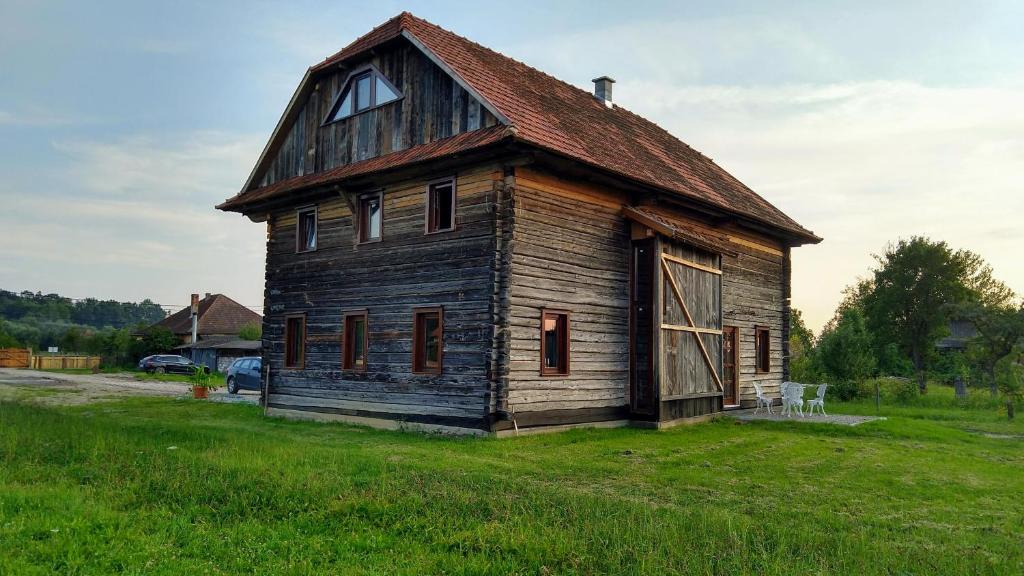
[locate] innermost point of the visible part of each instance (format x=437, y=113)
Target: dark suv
x=167, y=363
x=244, y=373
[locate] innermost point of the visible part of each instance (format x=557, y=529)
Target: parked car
x=168, y=363
x=244, y=373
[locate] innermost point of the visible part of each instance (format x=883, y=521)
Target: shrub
x=847, y=390
x=251, y=331
x=893, y=390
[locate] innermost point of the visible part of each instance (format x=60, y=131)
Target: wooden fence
x=23, y=358
x=63, y=362
x=15, y=357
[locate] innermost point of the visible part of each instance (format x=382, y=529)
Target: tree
x=1000, y=330
x=1009, y=376
x=7, y=340
x=155, y=340
x=914, y=286
x=801, y=349
x=845, y=351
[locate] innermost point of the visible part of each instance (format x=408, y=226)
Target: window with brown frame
x=356, y=339
x=762, y=349
x=371, y=216
x=294, y=341
x=441, y=206
x=427, y=340
x=554, y=343
x=305, y=230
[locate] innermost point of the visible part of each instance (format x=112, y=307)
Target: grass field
x=157, y=486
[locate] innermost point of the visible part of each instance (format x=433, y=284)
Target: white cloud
x=862, y=164
x=135, y=218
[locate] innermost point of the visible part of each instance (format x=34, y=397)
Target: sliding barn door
x=691, y=327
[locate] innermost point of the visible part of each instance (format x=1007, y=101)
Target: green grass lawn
x=158, y=486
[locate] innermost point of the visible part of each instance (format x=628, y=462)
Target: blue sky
x=123, y=123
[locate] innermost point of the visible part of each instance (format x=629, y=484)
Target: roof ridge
x=401, y=18
x=550, y=113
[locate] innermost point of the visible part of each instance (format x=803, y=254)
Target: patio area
x=840, y=419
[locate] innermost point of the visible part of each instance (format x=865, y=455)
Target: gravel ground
x=56, y=388
x=842, y=419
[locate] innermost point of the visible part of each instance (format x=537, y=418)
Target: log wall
x=406, y=269
x=753, y=295
x=755, y=292
x=433, y=106
x=569, y=250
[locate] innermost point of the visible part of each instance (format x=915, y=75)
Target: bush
x=893, y=390
x=846, y=390
x=251, y=331
x=845, y=349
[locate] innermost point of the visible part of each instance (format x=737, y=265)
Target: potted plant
x=201, y=384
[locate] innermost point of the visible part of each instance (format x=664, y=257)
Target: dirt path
x=66, y=389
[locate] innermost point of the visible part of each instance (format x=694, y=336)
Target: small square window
x=294, y=341
x=305, y=236
x=355, y=341
x=554, y=343
x=370, y=217
x=762, y=349
x=427, y=340
x=441, y=206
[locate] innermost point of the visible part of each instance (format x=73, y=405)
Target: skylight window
x=363, y=91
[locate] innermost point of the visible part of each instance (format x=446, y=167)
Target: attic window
x=363, y=90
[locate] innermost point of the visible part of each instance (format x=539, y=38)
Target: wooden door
x=730, y=375
x=691, y=323
x=641, y=292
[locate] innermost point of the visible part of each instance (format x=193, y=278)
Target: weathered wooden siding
x=406, y=269
x=433, y=106
x=570, y=250
x=752, y=295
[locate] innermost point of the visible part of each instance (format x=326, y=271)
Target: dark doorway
x=641, y=292
x=730, y=376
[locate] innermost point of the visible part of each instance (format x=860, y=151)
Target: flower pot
x=200, y=392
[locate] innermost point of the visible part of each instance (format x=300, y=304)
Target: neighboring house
x=456, y=239
x=218, y=316
x=960, y=334
x=218, y=352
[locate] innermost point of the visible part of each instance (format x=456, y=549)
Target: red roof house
x=458, y=240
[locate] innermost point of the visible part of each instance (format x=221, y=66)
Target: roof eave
x=793, y=236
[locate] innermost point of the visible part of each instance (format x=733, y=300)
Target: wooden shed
x=456, y=240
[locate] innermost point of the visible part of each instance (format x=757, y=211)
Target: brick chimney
x=603, y=90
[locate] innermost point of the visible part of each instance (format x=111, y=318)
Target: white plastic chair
x=818, y=400
x=762, y=399
x=792, y=398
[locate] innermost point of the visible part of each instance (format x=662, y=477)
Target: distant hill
x=39, y=308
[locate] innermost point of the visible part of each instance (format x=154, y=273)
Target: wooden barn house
x=457, y=240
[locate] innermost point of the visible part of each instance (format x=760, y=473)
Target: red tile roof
x=429, y=151
x=218, y=314
x=561, y=118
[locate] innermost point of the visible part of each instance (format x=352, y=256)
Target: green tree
x=155, y=340
x=914, y=286
x=1009, y=375
x=801, y=349
x=7, y=340
x=1000, y=332
x=845, y=352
